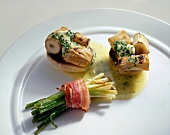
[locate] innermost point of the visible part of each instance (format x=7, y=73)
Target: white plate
x=25, y=75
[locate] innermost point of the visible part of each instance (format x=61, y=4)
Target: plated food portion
x=129, y=57
x=123, y=64
x=72, y=52
x=75, y=94
x=69, y=51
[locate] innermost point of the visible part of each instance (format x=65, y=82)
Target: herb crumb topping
x=66, y=39
x=133, y=60
x=123, y=49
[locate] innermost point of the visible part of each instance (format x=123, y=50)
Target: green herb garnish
x=133, y=60
x=56, y=36
x=71, y=34
x=123, y=49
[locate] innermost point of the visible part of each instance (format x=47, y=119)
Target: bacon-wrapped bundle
x=75, y=94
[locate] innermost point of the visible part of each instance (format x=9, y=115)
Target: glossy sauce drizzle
x=127, y=86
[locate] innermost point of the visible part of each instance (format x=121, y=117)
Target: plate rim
x=129, y=11
x=74, y=11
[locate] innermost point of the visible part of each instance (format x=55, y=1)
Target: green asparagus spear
x=46, y=109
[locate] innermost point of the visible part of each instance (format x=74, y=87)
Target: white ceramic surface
x=18, y=16
x=26, y=75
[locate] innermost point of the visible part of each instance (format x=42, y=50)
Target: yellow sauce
x=127, y=86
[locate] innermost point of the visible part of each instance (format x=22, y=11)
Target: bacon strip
x=77, y=95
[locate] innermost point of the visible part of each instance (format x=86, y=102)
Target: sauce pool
x=127, y=86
